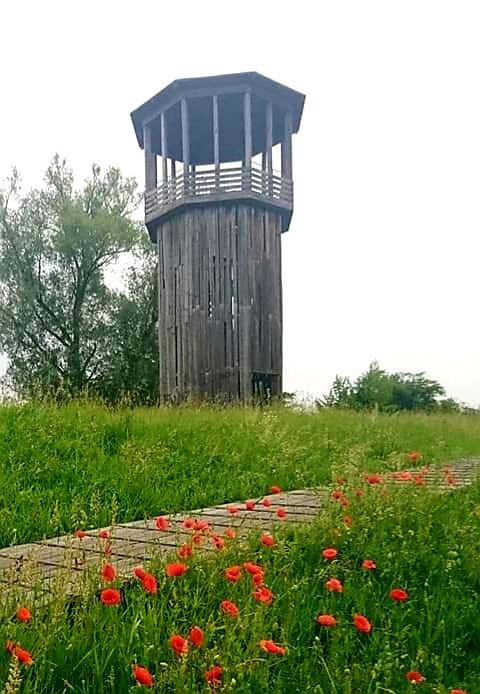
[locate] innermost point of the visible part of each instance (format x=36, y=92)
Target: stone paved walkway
x=68, y=558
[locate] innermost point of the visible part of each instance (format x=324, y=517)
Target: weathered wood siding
x=220, y=302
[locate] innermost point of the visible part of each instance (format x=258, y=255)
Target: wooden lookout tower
x=216, y=209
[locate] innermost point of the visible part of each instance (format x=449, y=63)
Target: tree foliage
x=387, y=392
x=61, y=326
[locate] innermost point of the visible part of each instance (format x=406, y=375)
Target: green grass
x=424, y=542
x=84, y=465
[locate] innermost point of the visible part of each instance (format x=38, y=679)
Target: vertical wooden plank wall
x=220, y=301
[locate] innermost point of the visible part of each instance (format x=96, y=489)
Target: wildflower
x=258, y=578
x=142, y=675
x=176, y=569
x=80, y=534
x=233, y=509
x=457, y=691
x=214, y=676
x=252, y=568
x=266, y=502
x=373, y=479
x=419, y=479
x=334, y=585
x=281, y=513
x=185, y=551
x=399, y=594
x=348, y=520
x=139, y=572
x=24, y=656
x=271, y=647
x=230, y=532
x=337, y=494
x=359, y=492
x=229, y=608
x=368, y=564
x=24, y=614
x=263, y=594
x=108, y=573
x=403, y=476
x=179, y=645
x=110, y=596
x=329, y=553
x=218, y=541
x=149, y=582
x=249, y=505
x=326, y=620
x=345, y=502
x=341, y=481
x=414, y=676
x=275, y=489
x=196, y=636
x=201, y=525
x=414, y=456
x=198, y=539
x=104, y=534
x=233, y=573
x=267, y=540
x=188, y=524
x=362, y=624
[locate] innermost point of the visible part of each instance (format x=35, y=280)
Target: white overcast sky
x=381, y=260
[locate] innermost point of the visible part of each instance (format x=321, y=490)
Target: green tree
x=57, y=314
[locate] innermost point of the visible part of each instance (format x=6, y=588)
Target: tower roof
x=229, y=88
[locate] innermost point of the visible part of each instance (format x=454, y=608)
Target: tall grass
x=81, y=465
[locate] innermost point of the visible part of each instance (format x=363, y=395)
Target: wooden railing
x=224, y=181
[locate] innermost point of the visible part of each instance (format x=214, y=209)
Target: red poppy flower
x=281, y=513
x=275, y=489
x=218, y=541
x=329, y=553
x=252, y=568
x=214, y=676
x=139, y=572
x=414, y=676
x=249, y=505
x=267, y=540
x=233, y=573
x=263, y=594
x=359, y=492
x=143, y=676
x=368, y=564
x=108, y=573
x=341, y=481
x=399, y=594
x=176, y=569
x=362, y=624
x=80, y=534
x=337, y=494
x=266, y=502
x=149, y=582
x=229, y=608
x=198, y=539
x=257, y=579
x=201, y=525
x=452, y=481
x=110, y=596
x=414, y=456
x=196, y=636
x=104, y=534
x=179, y=645
x=348, y=520
x=334, y=585
x=162, y=523
x=188, y=523
x=233, y=509
x=326, y=620
x=24, y=614
x=185, y=551
x=230, y=532
x=419, y=479
x=271, y=647
x=373, y=479
x=457, y=691
x=24, y=656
